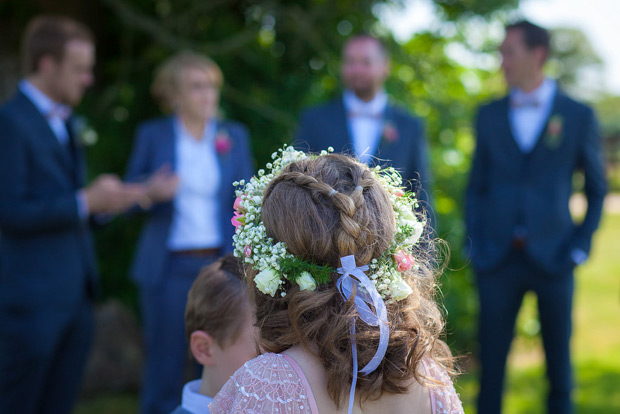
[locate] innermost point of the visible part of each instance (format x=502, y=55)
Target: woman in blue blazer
x=188, y=161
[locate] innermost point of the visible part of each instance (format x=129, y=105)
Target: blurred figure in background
x=529, y=144
x=363, y=122
x=47, y=262
x=188, y=162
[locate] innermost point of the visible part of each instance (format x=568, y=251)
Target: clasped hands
x=107, y=194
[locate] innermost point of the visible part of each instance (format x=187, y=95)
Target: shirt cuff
x=82, y=204
x=578, y=256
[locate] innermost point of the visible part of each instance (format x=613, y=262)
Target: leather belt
x=198, y=252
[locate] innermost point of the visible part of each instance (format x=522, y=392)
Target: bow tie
x=59, y=111
x=524, y=102
x=365, y=114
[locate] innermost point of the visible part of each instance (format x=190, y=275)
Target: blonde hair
x=168, y=75
x=320, y=225
x=218, y=301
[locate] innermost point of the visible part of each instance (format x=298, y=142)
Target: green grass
x=595, y=346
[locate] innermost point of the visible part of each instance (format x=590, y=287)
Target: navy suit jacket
x=46, y=250
x=510, y=189
x=154, y=147
x=327, y=125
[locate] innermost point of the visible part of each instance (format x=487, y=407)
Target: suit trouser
x=42, y=355
x=501, y=292
x=167, y=350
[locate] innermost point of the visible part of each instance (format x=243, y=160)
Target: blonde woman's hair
x=168, y=75
x=320, y=225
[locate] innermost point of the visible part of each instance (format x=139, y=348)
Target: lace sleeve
x=267, y=384
x=444, y=399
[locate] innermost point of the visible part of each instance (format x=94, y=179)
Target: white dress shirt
x=193, y=401
x=56, y=115
x=529, y=113
x=365, y=120
x=196, y=218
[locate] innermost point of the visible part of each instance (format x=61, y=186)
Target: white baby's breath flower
x=306, y=282
x=268, y=282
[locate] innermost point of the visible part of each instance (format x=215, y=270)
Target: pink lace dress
x=274, y=383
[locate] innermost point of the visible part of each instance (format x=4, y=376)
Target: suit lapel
x=77, y=154
x=168, y=145
x=540, y=144
x=44, y=134
x=341, y=136
x=505, y=129
x=386, y=149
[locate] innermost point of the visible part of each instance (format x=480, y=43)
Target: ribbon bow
x=352, y=279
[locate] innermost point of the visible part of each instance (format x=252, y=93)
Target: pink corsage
x=390, y=133
x=404, y=260
x=553, y=136
x=248, y=251
x=223, y=143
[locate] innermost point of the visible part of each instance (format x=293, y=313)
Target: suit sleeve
x=476, y=188
x=22, y=212
x=591, y=161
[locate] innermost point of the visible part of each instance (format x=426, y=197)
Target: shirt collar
x=46, y=105
x=193, y=401
x=375, y=107
x=543, y=94
x=208, y=134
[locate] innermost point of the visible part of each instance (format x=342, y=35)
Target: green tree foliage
x=277, y=57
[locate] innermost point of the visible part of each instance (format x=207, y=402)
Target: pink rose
x=248, y=251
x=398, y=193
x=237, y=205
x=238, y=220
x=223, y=143
x=404, y=260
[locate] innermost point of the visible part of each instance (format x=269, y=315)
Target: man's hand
x=162, y=185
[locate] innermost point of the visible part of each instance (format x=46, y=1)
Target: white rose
x=306, y=282
x=268, y=282
x=400, y=289
x=418, y=229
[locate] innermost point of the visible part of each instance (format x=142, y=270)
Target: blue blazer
x=154, y=147
x=46, y=250
x=510, y=189
x=327, y=125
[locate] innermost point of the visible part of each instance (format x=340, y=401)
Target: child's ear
x=201, y=344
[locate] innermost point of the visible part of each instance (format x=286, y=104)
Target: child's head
x=219, y=321
x=324, y=208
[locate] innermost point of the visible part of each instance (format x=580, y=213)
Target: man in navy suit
x=47, y=262
x=523, y=238
x=363, y=122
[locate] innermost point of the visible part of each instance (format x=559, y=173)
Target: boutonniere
x=85, y=135
x=223, y=142
x=389, y=133
x=553, y=135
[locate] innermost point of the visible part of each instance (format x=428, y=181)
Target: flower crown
x=275, y=264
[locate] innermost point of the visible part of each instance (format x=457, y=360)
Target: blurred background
x=281, y=56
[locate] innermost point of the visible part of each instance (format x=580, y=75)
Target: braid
x=353, y=235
